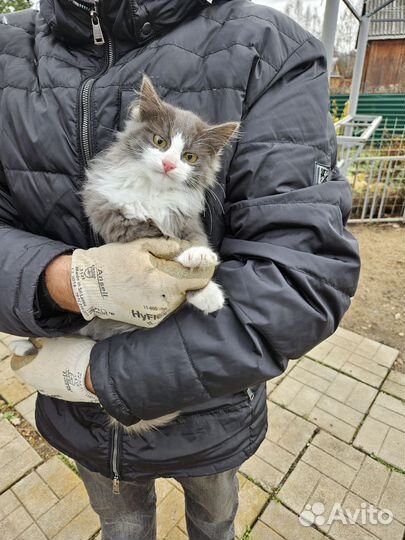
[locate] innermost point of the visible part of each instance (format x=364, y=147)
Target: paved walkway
x=331, y=467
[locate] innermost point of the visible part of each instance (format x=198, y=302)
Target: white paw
x=209, y=299
x=197, y=256
x=129, y=211
x=22, y=348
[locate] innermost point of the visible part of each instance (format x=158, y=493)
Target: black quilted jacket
x=289, y=265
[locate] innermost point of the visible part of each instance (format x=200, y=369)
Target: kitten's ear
x=150, y=103
x=218, y=136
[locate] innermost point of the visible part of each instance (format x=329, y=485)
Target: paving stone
x=32, y=533
x=58, y=476
x=329, y=399
x=62, y=513
x=338, y=450
x=8, y=503
x=395, y=384
x=299, y=486
x=382, y=432
x=176, y=534
x=16, y=456
x=331, y=472
x=286, y=437
x=272, y=383
x=82, y=527
x=262, y=532
x=7, y=433
x=4, y=351
x=27, y=408
x=393, y=496
x=11, y=388
x=252, y=500
x=163, y=487
x=270, y=386
x=286, y=525
x=35, y=495
x=320, y=351
x=392, y=450
x=15, y=523
x=262, y=472
x=386, y=356
x=340, y=531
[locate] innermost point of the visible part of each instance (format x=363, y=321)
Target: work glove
x=137, y=283
x=55, y=367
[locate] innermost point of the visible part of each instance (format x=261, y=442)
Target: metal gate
x=377, y=177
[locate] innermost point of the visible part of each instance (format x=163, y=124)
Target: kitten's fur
x=127, y=195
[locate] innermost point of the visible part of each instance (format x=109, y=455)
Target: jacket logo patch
x=321, y=173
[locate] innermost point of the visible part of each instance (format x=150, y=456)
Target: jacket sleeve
x=23, y=258
x=289, y=266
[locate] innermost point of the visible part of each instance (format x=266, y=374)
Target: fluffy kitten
x=152, y=181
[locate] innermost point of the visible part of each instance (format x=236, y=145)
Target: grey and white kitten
x=151, y=182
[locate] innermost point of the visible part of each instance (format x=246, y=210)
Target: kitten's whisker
x=221, y=186
x=210, y=213
x=209, y=190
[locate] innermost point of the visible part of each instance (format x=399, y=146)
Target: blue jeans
x=211, y=505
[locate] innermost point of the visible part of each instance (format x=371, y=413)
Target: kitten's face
x=173, y=147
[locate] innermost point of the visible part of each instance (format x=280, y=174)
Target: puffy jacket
x=289, y=266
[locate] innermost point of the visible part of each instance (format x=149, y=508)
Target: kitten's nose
x=168, y=165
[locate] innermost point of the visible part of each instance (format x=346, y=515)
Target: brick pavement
x=336, y=437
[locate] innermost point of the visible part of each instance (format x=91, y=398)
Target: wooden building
x=384, y=69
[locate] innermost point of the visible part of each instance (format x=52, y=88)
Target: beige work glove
x=137, y=283
x=55, y=367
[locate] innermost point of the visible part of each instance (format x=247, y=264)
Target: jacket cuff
x=33, y=308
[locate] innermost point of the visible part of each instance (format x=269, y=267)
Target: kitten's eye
x=190, y=157
x=160, y=142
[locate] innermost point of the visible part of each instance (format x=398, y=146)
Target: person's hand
x=56, y=367
x=137, y=283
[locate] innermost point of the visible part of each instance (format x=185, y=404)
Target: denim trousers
x=211, y=503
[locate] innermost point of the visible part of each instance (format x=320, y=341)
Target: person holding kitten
x=240, y=260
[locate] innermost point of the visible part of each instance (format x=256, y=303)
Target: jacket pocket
x=229, y=402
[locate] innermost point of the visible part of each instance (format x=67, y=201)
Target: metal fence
x=377, y=178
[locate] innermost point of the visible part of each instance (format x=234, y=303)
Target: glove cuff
x=86, y=284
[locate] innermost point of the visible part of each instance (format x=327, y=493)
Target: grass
x=247, y=535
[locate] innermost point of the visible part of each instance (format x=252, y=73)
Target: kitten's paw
x=22, y=347
x=129, y=211
x=197, y=256
x=209, y=299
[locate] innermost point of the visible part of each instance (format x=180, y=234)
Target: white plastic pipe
x=330, y=20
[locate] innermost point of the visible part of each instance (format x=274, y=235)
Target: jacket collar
x=137, y=21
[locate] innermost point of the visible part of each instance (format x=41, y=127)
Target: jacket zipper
x=87, y=85
x=115, y=459
x=85, y=91
x=85, y=142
